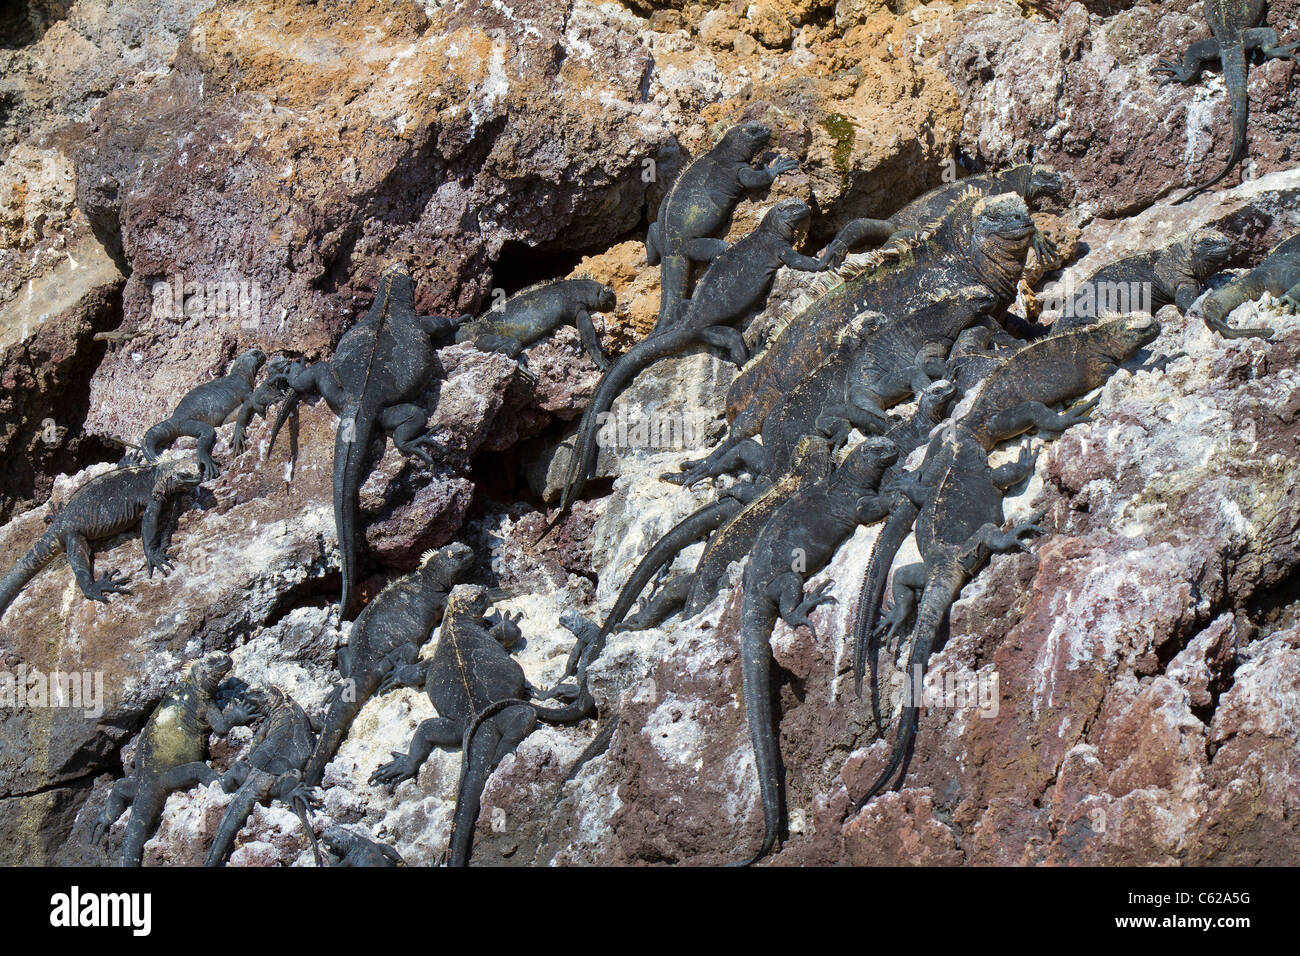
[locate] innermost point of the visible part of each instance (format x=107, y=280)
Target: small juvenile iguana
x=536, y=312
x=470, y=670
x=386, y=635
x=208, y=406
x=107, y=505
x=170, y=752
x=353, y=849
x=1235, y=25
x=798, y=541
x=280, y=748
x=696, y=211
x=378, y=370
x=1175, y=275
x=1278, y=275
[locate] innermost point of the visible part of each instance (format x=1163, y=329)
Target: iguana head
x=1122, y=336
x=937, y=399
x=470, y=599
x=265, y=699
x=396, y=292
x=210, y=670
x=246, y=365
x=1043, y=181
x=1208, y=250
x=452, y=560
x=811, y=455
x=868, y=460
x=1001, y=231
x=176, y=474
x=744, y=141
x=789, y=219
x=604, y=299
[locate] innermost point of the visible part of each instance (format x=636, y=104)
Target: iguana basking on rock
x=387, y=634
x=696, y=211
x=103, y=507
x=734, y=285
x=208, y=406
x=1278, y=275
x=470, y=669
x=536, y=312
x=170, y=752
x=1235, y=25
x=380, y=367
x=798, y=540
x=1012, y=399
x=280, y=749
x=353, y=849
x=1148, y=281
x=1031, y=181
x=981, y=243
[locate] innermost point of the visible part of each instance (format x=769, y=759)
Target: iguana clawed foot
x=1175, y=72
x=114, y=582
x=158, y=559
x=813, y=600
x=395, y=771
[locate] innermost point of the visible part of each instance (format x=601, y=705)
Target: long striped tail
x=1233, y=57
x=872, y=592
x=232, y=821
x=475, y=768
x=757, y=618
x=37, y=558
x=351, y=447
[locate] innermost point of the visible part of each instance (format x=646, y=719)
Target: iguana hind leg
x=434, y=732
x=496, y=737
x=119, y=797
x=81, y=562
x=407, y=423
x=1265, y=40
x=187, y=775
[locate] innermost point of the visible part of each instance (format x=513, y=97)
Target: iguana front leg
x=763, y=176
x=95, y=589
x=237, y=714
x=590, y=340
x=1014, y=472
x=1194, y=60
x=729, y=340
x=151, y=536
x=990, y=539
x=407, y=675
x=1028, y=415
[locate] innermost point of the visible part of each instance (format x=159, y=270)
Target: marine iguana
x=1175, y=275
x=470, y=669
x=1031, y=181
x=208, y=406
x=170, y=752
x=798, y=541
x=353, y=849
x=381, y=365
x=280, y=748
x=981, y=242
x=538, y=311
x=103, y=507
x=736, y=282
x=387, y=634
x=1011, y=400
x=1235, y=25
x=1278, y=275
x=697, y=209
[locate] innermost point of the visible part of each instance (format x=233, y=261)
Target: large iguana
x=379, y=369
x=795, y=543
x=170, y=752
x=280, y=749
x=1278, y=275
x=208, y=406
x=538, y=311
x=735, y=283
x=1149, y=281
x=108, y=505
x=1012, y=399
x=1031, y=181
x=1235, y=25
x=981, y=242
x=470, y=669
x=696, y=211
x=387, y=634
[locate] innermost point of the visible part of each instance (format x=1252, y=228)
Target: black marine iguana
x=387, y=634
x=353, y=849
x=735, y=283
x=170, y=752
x=1175, y=275
x=208, y=406
x=696, y=211
x=280, y=748
x=1278, y=275
x=1234, y=24
x=470, y=670
x=981, y=243
x=798, y=541
x=381, y=365
x=107, y=505
x=538, y=311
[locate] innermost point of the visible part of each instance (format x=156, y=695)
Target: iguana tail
x=872, y=593
x=232, y=821
x=351, y=447
x=287, y=408
x=582, y=460
x=299, y=804
x=146, y=808
x=338, y=721
x=674, y=273
x=32, y=563
x=1233, y=57
x=757, y=618
x=941, y=590
x=476, y=765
